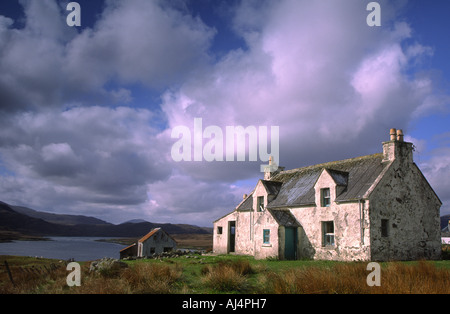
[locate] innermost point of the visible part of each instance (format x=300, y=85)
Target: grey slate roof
x=356, y=174
x=247, y=204
x=272, y=187
x=284, y=217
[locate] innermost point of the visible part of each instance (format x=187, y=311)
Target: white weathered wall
x=404, y=198
x=266, y=250
x=349, y=245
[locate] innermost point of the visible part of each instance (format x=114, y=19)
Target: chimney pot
x=400, y=135
x=393, y=134
x=245, y=196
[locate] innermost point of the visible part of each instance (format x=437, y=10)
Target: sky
x=87, y=112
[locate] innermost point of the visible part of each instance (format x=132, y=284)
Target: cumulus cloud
x=192, y=200
x=73, y=139
x=93, y=155
x=315, y=69
x=49, y=64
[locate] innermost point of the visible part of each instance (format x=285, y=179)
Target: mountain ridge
x=16, y=221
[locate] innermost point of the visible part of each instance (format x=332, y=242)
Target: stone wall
x=406, y=202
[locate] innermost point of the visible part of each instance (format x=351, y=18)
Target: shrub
x=152, y=278
x=227, y=276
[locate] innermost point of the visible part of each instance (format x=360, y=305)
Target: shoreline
x=11, y=236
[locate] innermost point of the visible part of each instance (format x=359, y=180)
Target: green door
x=290, y=243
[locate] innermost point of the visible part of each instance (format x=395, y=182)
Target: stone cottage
x=156, y=241
x=378, y=207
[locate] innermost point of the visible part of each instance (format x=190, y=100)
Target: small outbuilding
x=156, y=241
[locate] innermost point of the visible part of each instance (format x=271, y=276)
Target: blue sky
x=87, y=112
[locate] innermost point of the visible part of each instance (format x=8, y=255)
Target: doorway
x=231, y=236
x=290, y=243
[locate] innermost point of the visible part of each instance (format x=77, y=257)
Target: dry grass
x=141, y=278
x=350, y=278
x=228, y=275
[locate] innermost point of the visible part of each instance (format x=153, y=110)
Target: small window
x=152, y=250
x=325, y=197
x=266, y=236
x=328, y=233
x=219, y=230
x=260, y=204
x=384, y=228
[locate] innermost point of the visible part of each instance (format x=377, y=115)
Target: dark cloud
x=72, y=139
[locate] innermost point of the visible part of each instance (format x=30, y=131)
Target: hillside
x=59, y=218
x=14, y=222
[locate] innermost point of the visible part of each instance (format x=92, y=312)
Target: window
x=384, y=228
x=325, y=197
x=219, y=230
x=266, y=236
x=327, y=233
x=260, y=204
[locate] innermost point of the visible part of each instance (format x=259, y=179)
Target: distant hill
x=59, y=218
x=18, y=220
x=10, y=220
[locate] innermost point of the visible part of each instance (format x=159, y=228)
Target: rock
x=107, y=265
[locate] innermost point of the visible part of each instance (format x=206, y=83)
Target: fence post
x=9, y=273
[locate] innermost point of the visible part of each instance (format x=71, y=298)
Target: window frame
x=328, y=238
x=219, y=229
x=325, y=201
x=260, y=203
x=266, y=236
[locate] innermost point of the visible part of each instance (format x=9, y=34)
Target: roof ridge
x=329, y=163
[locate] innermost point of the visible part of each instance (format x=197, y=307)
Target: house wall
x=404, y=198
x=246, y=236
x=220, y=240
x=347, y=232
x=349, y=242
x=158, y=241
x=243, y=233
x=272, y=249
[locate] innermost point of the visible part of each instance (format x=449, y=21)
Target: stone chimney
x=397, y=148
x=271, y=169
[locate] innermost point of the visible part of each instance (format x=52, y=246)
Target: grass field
x=199, y=274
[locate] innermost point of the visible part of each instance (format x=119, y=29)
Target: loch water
x=64, y=248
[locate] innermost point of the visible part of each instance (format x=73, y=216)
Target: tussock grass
x=227, y=275
x=350, y=278
x=153, y=278
x=224, y=274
